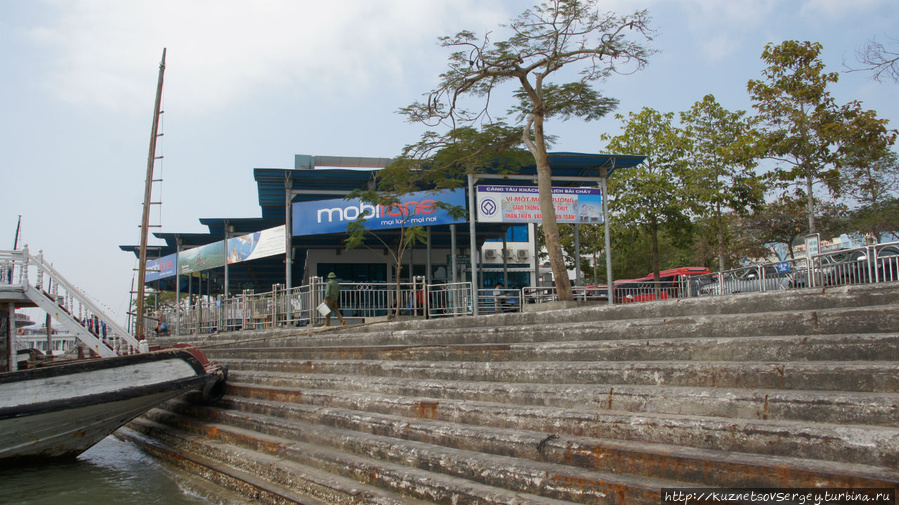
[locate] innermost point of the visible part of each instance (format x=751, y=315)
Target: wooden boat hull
x=62, y=410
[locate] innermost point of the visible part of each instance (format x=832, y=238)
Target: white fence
x=362, y=301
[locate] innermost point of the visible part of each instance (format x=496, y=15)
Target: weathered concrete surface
x=605, y=404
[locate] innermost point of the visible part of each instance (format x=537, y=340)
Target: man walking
x=332, y=299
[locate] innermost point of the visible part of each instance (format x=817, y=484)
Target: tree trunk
x=548, y=209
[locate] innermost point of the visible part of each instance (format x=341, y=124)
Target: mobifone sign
x=415, y=209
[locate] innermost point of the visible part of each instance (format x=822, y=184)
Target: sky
x=250, y=84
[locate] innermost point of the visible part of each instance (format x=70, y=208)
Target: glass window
x=515, y=233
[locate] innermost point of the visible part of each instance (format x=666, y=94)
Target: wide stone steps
x=589, y=405
x=874, y=377
x=868, y=445
x=872, y=347
x=454, y=400
x=422, y=471
x=262, y=474
x=878, y=319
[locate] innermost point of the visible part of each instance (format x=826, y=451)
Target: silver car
x=749, y=280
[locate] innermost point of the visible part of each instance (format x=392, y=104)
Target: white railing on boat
x=40, y=283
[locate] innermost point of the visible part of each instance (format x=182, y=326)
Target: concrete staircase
x=589, y=405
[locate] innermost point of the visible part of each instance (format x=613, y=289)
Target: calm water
x=112, y=472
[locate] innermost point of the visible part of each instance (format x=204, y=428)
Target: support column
x=536, y=255
x=453, y=251
x=178, y=286
x=605, y=219
x=288, y=230
x=428, y=262
x=225, y=247
x=577, y=255
x=472, y=212
x=12, y=365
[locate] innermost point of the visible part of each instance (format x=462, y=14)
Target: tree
x=803, y=128
x=783, y=221
x=555, y=35
x=720, y=179
x=435, y=163
x=874, y=188
x=879, y=60
x=653, y=194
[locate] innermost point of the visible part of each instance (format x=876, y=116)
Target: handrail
x=90, y=324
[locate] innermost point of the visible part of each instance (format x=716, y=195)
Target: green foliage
x=719, y=178
x=652, y=195
x=803, y=129
x=554, y=35
x=783, y=221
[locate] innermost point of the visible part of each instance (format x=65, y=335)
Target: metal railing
x=40, y=283
x=296, y=307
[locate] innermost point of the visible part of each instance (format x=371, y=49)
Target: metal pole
x=177, y=286
x=536, y=282
x=145, y=220
x=11, y=363
x=453, y=251
x=428, y=262
x=473, y=252
x=288, y=230
x=225, y=258
x=605, y=220
x=505, y=258
x=577, y=255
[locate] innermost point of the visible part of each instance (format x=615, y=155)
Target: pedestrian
x=332, y=299
x=499, y=297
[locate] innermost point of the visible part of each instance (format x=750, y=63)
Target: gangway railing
x=43, y=285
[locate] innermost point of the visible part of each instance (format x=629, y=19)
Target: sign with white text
x=415, y=209
x=521, y=204
x=260, y=244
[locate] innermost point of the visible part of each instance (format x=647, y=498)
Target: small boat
x=61, y=410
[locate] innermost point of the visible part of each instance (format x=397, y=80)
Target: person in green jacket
x=332, y=299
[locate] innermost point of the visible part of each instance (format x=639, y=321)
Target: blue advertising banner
x=415, y=209
x=160, y=268
x=260, y=244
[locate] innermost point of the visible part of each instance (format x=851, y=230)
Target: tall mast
x=139, y=331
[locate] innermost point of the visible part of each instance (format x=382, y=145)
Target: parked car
x=858, y=267
x=750, y=280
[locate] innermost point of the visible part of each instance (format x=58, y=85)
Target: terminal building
x=301, y=233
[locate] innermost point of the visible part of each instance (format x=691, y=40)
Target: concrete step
x=610, y=404
x=261, y=472
x=414, y=398
x=873, y=377
x=249, y=487
x=866, y=320
x=848, y=444
x=841, y=347
x=433, y=473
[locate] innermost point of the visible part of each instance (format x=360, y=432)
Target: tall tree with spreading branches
x=882, y=61
x=654, y=194
x=550, y=37
x=719, y=179
x=802, y=127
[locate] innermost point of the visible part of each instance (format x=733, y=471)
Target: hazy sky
x=250, y=84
